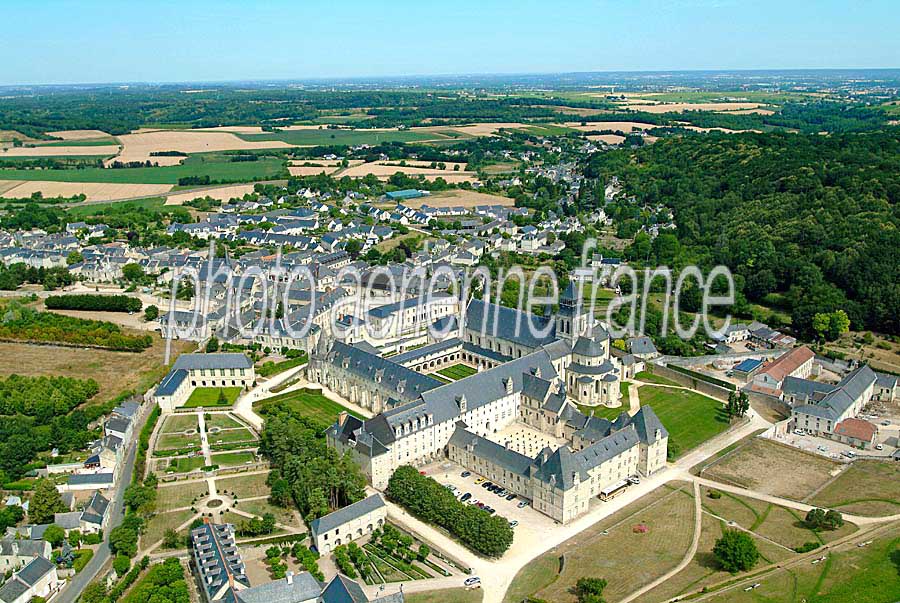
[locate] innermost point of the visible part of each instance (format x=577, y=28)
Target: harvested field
x=222, y=193
x=486, y=129
x=62, y=151
x=114, y=372
x=607, y=138
x=450, y=165
x=772, y=468
x=462, y=198
x=6, y=185
x=10, y=135
x=307, y=170
x=616, y=126
x=383, y=172
x=658, y=107
x=138, y=146
x=79, y=134
x=324, y=162
x=95, y=191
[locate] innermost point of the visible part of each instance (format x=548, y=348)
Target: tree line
x=97, y=303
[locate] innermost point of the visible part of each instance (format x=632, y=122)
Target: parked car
x=487, y=485
x=522, y=504
x=799, y=432
x=513, y=523
x=479, y=480
x=510, y=496
x=465, y=474
x=886, y=422
x=490, y=510
x=879, y=447
x=472, y=581
x=466, y=497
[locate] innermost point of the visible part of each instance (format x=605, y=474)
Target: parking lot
x=886, y=437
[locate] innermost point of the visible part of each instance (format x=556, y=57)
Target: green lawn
x=92, y=209
x=91, y=142
x=603, y=411
x=307, y=403
x=231, y=459
x=230, y=436
x=222, y=421
x=209, y=396
x=175, y=441
x=216, y=166
x=185, y=464
x=649, y=377
x=457, y=371
x=179, y=423
x=689, y=417
x=269, y=368
x=341, y=137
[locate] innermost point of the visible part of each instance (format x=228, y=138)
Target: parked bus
x=610, y=492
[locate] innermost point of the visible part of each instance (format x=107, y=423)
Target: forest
x=804, y=221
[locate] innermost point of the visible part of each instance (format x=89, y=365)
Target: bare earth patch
x=78, y=134
x=383, y=172
x=626, y=127
x=138, y=145
x=308, y=170
x=454, y=198
x=94, y=191
x=607, y=138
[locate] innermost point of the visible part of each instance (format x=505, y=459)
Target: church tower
x=572, y=319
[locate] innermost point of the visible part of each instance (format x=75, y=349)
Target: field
x=158, y=524
x=626, y=127
x=244, y=486
x=326, y=137
x=83, y=210
x=178, y=441
x=308, y=170
x=307, y=403
x=607, y=138
x=209, y=396
x=184, y=464
x=78, y=150
x=180, y=494
x=865, y=488
x=627, y=560
x=232, y=459
x=115, y=372
x=179, y=423
x=384, y=170
x=137, y=146
x=222, y=421
x=261, y=507
x=449, y=595
x=94, y=191
x=772, y=468
x=70, y=135
x=457, y=371
x=858, y=574
x=689, y=417
x=217, y=167
x=222, y=193
x=657, y=379
x=459, y=198
x=659, y=107
x=231, y=436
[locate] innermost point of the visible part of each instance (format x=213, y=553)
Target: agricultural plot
x=137, y=146
x=326, y=137
x=615, y=549
x=865, y=488
x=210, y=396
x=105, y=148
x=93, y=191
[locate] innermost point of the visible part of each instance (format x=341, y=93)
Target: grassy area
x=180, y=494
x=245, y=486
x=87, y=142
x=230, y=436
x=651, y=378
x=209, y=396
x=185, y=464
x=261, y=507
x=327, y=137
x=222, y=421
x=627, y=560
x=866, y=488
x=267, y=369
x=217, y=166
x=858, y=574
x=457, y=371
x=605, y=412
x=305, y=402
x=85, y=210
x=156, y=527
x=689, y=417
x=447, y=595
x=176, y=441
x=231, y=459
x=179, y=423
x=772, y=468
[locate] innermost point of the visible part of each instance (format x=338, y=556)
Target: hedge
x=98, y=303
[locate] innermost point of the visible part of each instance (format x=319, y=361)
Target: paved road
x=73, y=590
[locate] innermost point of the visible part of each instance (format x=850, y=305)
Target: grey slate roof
x=99, y=479
x=348, y=513
x=510, y=460
x=804, y=387
x=431, y=348
x=24, y=548
x=836, y=402
x=344, y=590
x=36, y=569
x=411, y=302
x=508, y=324
x=171, y=382
x=224, y=360
x=641, y=345
x=392, y=376
x=303, y=587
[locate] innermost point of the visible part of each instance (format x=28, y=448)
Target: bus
x=610, y=492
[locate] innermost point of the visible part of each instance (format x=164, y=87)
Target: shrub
x=735, y=551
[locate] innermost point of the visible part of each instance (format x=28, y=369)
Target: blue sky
x=79, y=41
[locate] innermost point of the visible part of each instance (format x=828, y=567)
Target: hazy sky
x=79, y=41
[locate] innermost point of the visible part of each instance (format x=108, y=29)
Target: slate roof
x=431, y=348
x=836, y=402
x=100, y=479
x=36, y=569
x=392, y=376
x=24, y=548
x=411, y=302
x=343, y=590
x=510, y=460
x=641, y=345
x=224, y=360
x=348, y=513
x=501, y=322
x=303, y=587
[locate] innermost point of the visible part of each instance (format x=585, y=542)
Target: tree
x=132, y=272
x=74, y=538
x=45, y=502
x=74, y=257
x=735, y=551
x=170, y=539
x=94, y=592
x=212, y=345
x=151, y=313
x=121, y=564
x=590, y=590
x=222, y=400
x=833, y=519
x=54, y=535
x=815, y=519
x=353, y=247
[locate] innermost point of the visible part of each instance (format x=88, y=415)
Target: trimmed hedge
x=98, y=303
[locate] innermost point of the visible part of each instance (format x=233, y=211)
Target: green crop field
x=689, y=417
x=326, y=137
x=89, y=142
x=209, y=396
x=214, y=165
x=307, y=403
x=91, y=209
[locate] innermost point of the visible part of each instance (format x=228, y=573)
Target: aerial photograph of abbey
x=414, y=303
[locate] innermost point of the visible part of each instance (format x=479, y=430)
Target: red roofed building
x=795, y=363
x=855, y=432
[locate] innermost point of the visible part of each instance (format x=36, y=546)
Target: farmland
x=323, y=137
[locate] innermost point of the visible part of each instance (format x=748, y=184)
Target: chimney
x=461, y=401
x=342, y=418
x=289, y=577
x=508, y=384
